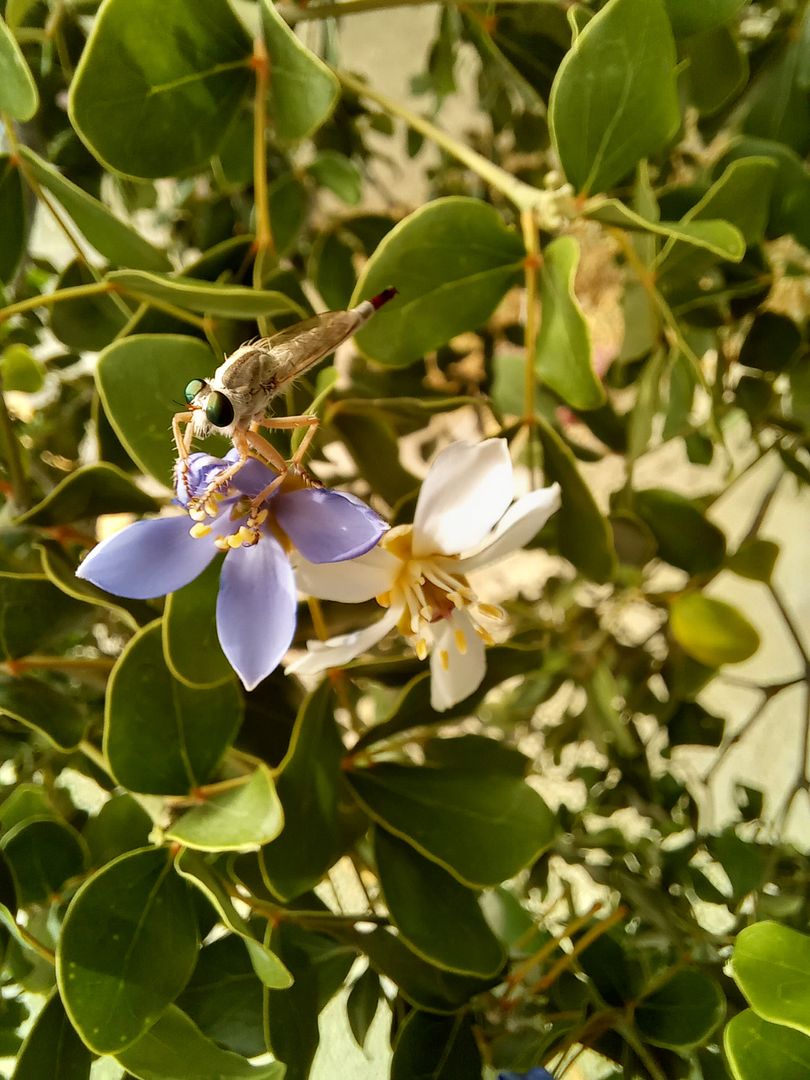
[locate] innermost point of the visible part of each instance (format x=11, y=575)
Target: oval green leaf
x=756, y=1049
x=111, y=237
x=563, y=356
x=436, y=916
x=89, y=491
x=237, y=819
x=439, y=1047
x=719, y=237
x=309, y=782
x=712, y=631
x=18, y=91
x=452, y=261
x=482, y=833
x=86, y=323
x=614, y=100
x=12, y=217
x=52, y=711
x=127, y=949
x=772, y=966
x=42, y=855
x=190, y=643
x=694, y=16
x=32, y=611
x=684, y=536
x=140, y=380
x=154, y=104
x=303, y=91
x=207, y=297
x=162, y=737
x=52, y=1048
x=683, y=1012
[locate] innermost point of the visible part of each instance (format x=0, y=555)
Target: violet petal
x=328, y=526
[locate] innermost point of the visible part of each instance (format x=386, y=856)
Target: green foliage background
x=175, y=852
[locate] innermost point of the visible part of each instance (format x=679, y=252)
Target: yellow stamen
x=492, y=611
x=384, y=599
x=485, y=635
x=199, y=530
x=235, y=540
x=461, y=641
x=196, y=513
x=444, y=659
x=261, y=517
x=421, y=648
x=222, y=543
x=212, y=506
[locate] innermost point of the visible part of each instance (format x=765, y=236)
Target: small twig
x=13, y=456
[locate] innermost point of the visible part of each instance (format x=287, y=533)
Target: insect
x=234, y=401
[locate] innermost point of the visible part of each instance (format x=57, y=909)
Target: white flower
x=419, y=574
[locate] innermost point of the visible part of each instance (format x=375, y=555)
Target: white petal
x=338, y=651
x=464, y=671
x=350, y=582
x=520, y=524
x=467, y=489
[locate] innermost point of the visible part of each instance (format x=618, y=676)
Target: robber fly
x=235, y=400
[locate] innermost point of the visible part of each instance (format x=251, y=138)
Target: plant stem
x=13, y=456
x=73, y=292
x=524, y=196
x=263, y=242
x=357, y=7
x=530, y=266
x=58, y=663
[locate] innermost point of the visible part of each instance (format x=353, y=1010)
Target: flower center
x=248, y=525
x=429, y=589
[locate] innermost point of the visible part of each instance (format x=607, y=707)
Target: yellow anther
x=444, y=659
x=212, y=506
x=234, y=540
x=384, y=599
x=492, y=611
x=421, y=648
x=196, y=513
x=485, y=635
x=460, y=639
x=199, y=530
x=222, y=543
x=260, y=518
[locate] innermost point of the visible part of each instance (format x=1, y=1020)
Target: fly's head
x=212, y=409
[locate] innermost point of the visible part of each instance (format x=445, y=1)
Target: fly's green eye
x=193, y=388
x=219, y=410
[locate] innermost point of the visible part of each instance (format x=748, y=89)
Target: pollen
x=222, y=543
x=444, y=659
x=421, y=647
x=492, y=611
x=384, y=599
x=199, y=530
x=260, y=518
x=234, y=540
x=196, y=513
x=460, y=639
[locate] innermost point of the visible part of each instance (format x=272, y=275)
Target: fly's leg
x=199, y=507
x=293, y=423
x=262, y=448
x=182, y=442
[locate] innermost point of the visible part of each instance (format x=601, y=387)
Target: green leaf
x=121, y=825
x=224, y=998
x=741, y=197
x=584, y=536
x=482, y=833
x=789, y=210
x=288, y=201
x=331, y=268
x=88, y=492
x=190, y=644
x=137, y=379
x=563, y=357
x=208, y=297
x=160, y=736
x=777, y=102
x=18, y=91
x=685, y=537
x=154, y=104
x=694, y=16
x=25, y=801
x=127, y=949
x=772, y=343
x=614, y=100
x=683, y=1012
x=303, y=91
x=267, y=966
x=772, y=967
x=309, y=782
x=718, y=69
x=756, y=1049
x=175, y=1049
x=20, y=370
x=719, y=237
x=754, y=559
x=52, y=1048
x=49, y=709
x=42, y=855
x=13, y=217
x=62, y=573
x=338, y=173
x=237, y=819
x=87, y=323
x=32, y=611
x=111, y=237
x=436, y=1048
x=362, y=1004
x=712, y=631
x=436, y=916
x=452, y=261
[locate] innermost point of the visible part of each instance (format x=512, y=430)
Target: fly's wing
x=293, y=351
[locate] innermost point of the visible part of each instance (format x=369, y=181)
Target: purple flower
x=532, y=1074
x=256, y=604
